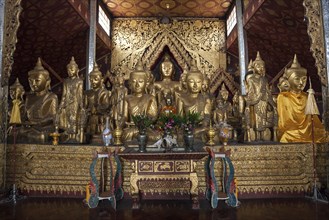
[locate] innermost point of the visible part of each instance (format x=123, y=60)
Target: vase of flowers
x=189, y=122
x=167, y=123
x=142, y=122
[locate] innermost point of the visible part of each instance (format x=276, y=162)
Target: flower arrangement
x=190, y=120
x=142, y=122
x=167, y=122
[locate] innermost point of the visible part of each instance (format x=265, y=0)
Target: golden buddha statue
x=166, y=85
x=194, y=101
x=96, y=102
x=41, y=106
x=17, y=107
x=259, y=102
x=220, y=112
x=119, y=92
x=138, y=102
x=71, y=105
x=294, y=125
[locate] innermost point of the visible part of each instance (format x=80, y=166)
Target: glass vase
x=107, y=134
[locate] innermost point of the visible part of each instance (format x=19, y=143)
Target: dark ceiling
x=55, y=30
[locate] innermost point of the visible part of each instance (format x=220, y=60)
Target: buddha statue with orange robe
x=294, y=125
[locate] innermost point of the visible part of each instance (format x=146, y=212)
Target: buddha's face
x=297, y=82
x=284, y=86
x=167, y=68
x=224, y=95
x=38, y=82
x=138, y=82
x=194, y=82
x=96, y=81
x=72, y=70
x=259, y=68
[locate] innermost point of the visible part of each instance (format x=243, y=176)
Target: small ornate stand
x=93, y=194
x=229, y=188
x=211, y=134
x=55, y=135
x=117, y=134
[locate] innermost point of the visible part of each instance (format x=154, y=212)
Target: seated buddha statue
x=194, y=101
x=96, y=102
x=71, y=108
x=166, y=85
x=294, y=125
x=138, y=103
x=40, y=108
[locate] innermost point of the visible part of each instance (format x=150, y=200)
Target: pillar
x=243, y=56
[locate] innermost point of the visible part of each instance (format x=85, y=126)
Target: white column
x=243, y=55
x=91, y=48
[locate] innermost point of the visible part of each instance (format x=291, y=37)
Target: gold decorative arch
x=200, y=41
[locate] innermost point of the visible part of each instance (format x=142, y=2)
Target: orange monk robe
x=294, y=125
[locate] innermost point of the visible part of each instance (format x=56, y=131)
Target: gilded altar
x=170, y=175
x=272, y=170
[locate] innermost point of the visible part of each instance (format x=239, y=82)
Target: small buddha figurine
x=119, y=92
x=16, y=108
x=138, y=102
x=71, y=105
x=220, y=113
x=294, y=125
x=224, y=94
x=169, y=107
x=40, y=108
x=96, y=102
x=166, y=85
x=194, y=101
x=259, y=100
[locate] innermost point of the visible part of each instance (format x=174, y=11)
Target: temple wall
x=202, y=41
x=277, y=170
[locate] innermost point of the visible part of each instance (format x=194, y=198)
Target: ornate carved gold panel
x=202, y=41
x=261, y=170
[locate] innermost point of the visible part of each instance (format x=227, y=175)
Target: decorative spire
x=17, y=84
x=194, y=67
x=72, y=63
x=39, y=69
x=96, y=70
x=166, y=58
x=295, y=67
x=223, y=88
x=258, y=59
x=139, y=66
